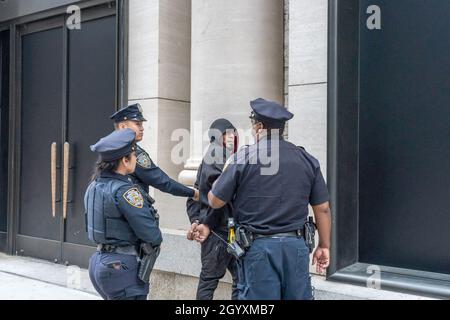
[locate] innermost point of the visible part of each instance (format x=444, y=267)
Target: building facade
x=370, y=100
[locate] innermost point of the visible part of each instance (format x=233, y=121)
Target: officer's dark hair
x=107, y=166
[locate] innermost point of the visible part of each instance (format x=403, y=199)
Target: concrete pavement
x=23, y=278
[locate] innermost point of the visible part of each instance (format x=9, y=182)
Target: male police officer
x=272, y=210
x=119, y=219
x=214, y=256
x=147, y=173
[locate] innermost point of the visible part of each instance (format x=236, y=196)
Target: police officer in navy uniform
x=119, y=218
x=270, y=185
x=147, y=173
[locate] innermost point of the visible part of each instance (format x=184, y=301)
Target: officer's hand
x=202, y=233
x=321, y=257
x=191, y=233
x=196, y=195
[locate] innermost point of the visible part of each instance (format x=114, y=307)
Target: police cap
x=115, y=146
x=132, y=112
x=269, y=112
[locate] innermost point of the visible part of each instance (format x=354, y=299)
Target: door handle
x=53, y=176
x=66, y=178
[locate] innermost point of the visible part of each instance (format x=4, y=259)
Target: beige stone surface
x=175, y=49
x=308, y=37
x=308, y=128
x=143, y=49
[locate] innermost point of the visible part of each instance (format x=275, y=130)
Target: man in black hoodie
x=215, y=258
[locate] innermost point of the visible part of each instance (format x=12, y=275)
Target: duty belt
x=129, y=250
x=296, y=234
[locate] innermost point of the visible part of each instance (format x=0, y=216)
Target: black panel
x=77, y=255
x=40, y=248
x=92, y=92
x=404, y=136
x=41, y=126
x=4, y=127
x=3, y=242
x=343, y=129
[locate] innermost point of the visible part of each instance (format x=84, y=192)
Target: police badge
x=134, y=198
x=144, y=161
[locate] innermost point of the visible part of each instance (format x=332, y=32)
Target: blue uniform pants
x=115, y=277
x=275, y=269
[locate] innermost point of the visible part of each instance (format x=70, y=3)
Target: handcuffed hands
x=202, y=233
x=191, y=232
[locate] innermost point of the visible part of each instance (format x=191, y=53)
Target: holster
x=148, y=258
x=244, y=238
x=309, y=232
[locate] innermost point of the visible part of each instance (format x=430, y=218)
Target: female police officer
x=119, y=218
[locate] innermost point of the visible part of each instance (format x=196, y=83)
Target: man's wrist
x=322, y=246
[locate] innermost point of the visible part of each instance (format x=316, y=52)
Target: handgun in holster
x=244, y=238
x=148, y=256
x=310, y=234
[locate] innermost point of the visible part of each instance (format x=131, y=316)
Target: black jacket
x=208, y=172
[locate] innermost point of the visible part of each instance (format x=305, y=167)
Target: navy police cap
x=269, y=112
x=132, y=112
x=115, y=146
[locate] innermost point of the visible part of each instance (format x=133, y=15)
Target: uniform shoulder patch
x=144, y=161
x=134, y=197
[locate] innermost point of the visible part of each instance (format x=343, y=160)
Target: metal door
x=404, y=164
x=68, y=90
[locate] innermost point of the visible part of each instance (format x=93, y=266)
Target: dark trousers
x=275, y=269
x=115, y=277
x=215, y=262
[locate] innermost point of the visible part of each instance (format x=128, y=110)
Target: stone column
x=237, y=56
x=308, y=22
x=159, y=79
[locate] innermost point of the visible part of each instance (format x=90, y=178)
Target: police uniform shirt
x=269, y=204
x=148, y=174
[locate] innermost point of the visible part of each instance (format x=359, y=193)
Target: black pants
x=215, y=262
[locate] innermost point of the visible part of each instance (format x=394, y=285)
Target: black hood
x=218, y=129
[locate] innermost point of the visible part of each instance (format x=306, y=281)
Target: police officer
x=214, y=256
x=147, y=173
x=119, y=219
x=271, y=207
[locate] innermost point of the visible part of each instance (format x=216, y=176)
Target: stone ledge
x=180, y=256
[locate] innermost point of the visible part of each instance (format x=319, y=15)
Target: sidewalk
x=24, y=278
x=31, y=279
x=14, y=287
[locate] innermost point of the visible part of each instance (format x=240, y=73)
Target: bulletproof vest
x=105, y=224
